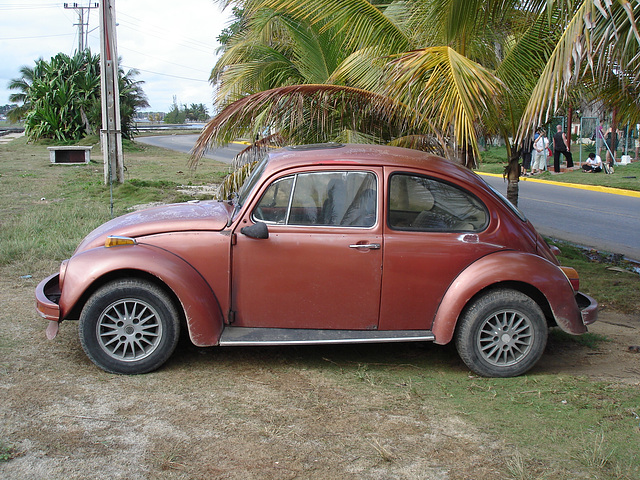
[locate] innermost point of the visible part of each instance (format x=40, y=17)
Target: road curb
x=593, y=188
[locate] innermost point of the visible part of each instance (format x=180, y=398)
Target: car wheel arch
x=114, y=275
x=480, y=277
x=444, y=329
x=196, y=301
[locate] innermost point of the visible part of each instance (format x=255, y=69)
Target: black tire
x=503, y=333
x=129, y=327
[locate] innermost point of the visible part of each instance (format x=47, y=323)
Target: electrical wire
x=38, y=36
x=159, y=32
x=165, y=74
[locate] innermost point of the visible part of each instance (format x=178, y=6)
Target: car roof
x=367, y=155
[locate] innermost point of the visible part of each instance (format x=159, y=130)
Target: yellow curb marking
x=593, y=188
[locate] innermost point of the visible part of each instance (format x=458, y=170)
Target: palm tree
x=132, y=98
x=22, y=85
x=61, y=97
x=346, y=45
x=430, y=74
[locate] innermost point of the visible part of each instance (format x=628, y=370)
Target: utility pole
x=111, y=135
x=83, y=23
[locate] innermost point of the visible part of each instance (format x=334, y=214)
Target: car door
x=433, y=231
x=321, y=265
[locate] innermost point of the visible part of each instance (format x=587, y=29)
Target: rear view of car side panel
x=509, y=267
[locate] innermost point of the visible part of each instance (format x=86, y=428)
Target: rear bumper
x=47, y=298
x=588, y=308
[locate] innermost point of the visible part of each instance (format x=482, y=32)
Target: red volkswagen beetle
x=325, y=244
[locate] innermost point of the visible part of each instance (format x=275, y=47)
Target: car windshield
x=250, y=183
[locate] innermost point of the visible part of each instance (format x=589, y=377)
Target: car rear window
x=421, y=203
x=509, y=205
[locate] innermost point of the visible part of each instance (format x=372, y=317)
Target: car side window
x=274, y=204
x=426, y=204
x=321, y=198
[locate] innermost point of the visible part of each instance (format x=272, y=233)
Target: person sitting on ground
x=593, y=164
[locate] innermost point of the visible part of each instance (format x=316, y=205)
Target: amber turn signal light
x=573, y=277
x=116, y=241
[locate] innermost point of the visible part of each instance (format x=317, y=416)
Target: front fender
x=502, y=267
x=199, y=303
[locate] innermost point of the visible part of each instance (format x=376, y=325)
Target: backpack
x=608, y=167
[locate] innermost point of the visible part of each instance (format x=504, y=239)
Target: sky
x=171, y=43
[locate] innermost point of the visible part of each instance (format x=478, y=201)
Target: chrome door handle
x=371, y=246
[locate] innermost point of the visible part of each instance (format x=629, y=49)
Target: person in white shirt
x=593, y=164
x=540, y=153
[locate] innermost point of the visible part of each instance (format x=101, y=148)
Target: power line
x=123, y=24
x=38, y=36
x=156, y=31
x=146, y=55
x=145, y=26
x=20, y=6
x=166, y=74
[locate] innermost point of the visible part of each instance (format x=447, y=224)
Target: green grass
x=618, y=290
x=46, y=210
x=561, y=427
x=592, y=341
x=7, y=452
x=553, y=427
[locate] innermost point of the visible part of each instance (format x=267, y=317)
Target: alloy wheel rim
x=129, y=330
x=505, y=338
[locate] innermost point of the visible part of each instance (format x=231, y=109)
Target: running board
x=247, y=337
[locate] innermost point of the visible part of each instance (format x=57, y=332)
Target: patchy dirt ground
x=246, y=413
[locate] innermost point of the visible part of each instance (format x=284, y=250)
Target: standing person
x=526, y=155
x=611, y=142
x=539, y=154
x=547, y=150
x=561, y=146
x=599, y=137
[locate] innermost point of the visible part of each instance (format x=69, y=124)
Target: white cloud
x=172, y=43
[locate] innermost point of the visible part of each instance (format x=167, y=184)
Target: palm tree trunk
x=512, y=173
x=87, y=125
x=513, y=178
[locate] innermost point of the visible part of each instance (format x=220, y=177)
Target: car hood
x=178, y=217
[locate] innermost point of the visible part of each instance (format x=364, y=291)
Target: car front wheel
x=129, y=327
x=502, y=334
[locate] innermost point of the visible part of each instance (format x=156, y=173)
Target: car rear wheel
x=129, y=327
x=502, y=334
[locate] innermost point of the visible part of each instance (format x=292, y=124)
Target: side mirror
x=257, y=230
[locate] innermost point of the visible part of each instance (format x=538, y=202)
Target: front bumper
x=47, y=298
x=588, y=308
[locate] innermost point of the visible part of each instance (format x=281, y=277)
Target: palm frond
x=359, y=22
x=258, y=149
x=298, y=111
x=234, y=181
x=600, y=41
x=442, y=85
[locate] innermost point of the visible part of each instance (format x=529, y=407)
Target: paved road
x=604, y=221
x=184, y=143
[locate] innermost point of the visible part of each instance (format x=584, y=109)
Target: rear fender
x=504, y=267
x=88, y=270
